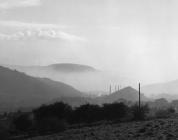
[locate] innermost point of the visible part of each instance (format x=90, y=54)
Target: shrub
x=114, y=111
x=51, y=124
x=59, y=110
x=52, y=118
x=91, y=113
x=4, y=134
x=23, y=122
x=86, y=113
x=139, y=113
x=161, y=113
x=171, y=110
x=164, y=113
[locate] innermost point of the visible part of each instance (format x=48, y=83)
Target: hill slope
x=82, y=77
x=128, y=94
x=58, y=67
x=18, y=89
x=156, y=129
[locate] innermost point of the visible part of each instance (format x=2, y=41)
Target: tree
x=59, y=110
x=114, y=111
x=86, y=113
x=23, y=122
x=51, y=124
x=4, y=133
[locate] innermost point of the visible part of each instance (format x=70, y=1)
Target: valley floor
x=159, y=129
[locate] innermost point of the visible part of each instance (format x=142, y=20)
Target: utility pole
x=139, y=96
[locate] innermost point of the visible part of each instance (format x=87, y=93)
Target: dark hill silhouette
x=128, y=94
x=18, y=89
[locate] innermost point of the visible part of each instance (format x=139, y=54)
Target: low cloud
x=40, y=35
x=9, y=4
x=31, y=31
x=19, y=24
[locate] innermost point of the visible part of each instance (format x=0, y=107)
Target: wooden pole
x=139, y=96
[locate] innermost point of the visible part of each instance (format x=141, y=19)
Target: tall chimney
x=110, y=89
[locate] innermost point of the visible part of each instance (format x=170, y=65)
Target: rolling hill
x=83, y=77
x=20, y=90
x=69, y=67
x=127, y=94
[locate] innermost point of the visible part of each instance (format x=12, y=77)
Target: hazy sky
x=136, y=38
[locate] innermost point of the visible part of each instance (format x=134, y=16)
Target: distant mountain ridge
x=69, y=67
x=18, y=90
x=83, y=77
x=58, y=67
x=165, y=90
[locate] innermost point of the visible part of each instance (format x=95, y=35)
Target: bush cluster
x=56, y=117
x=164, y=113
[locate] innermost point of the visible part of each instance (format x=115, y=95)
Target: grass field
x=158, y=129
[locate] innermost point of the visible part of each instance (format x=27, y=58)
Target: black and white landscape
x=88, y=69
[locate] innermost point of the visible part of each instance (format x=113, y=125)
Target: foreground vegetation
x=58, y=117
